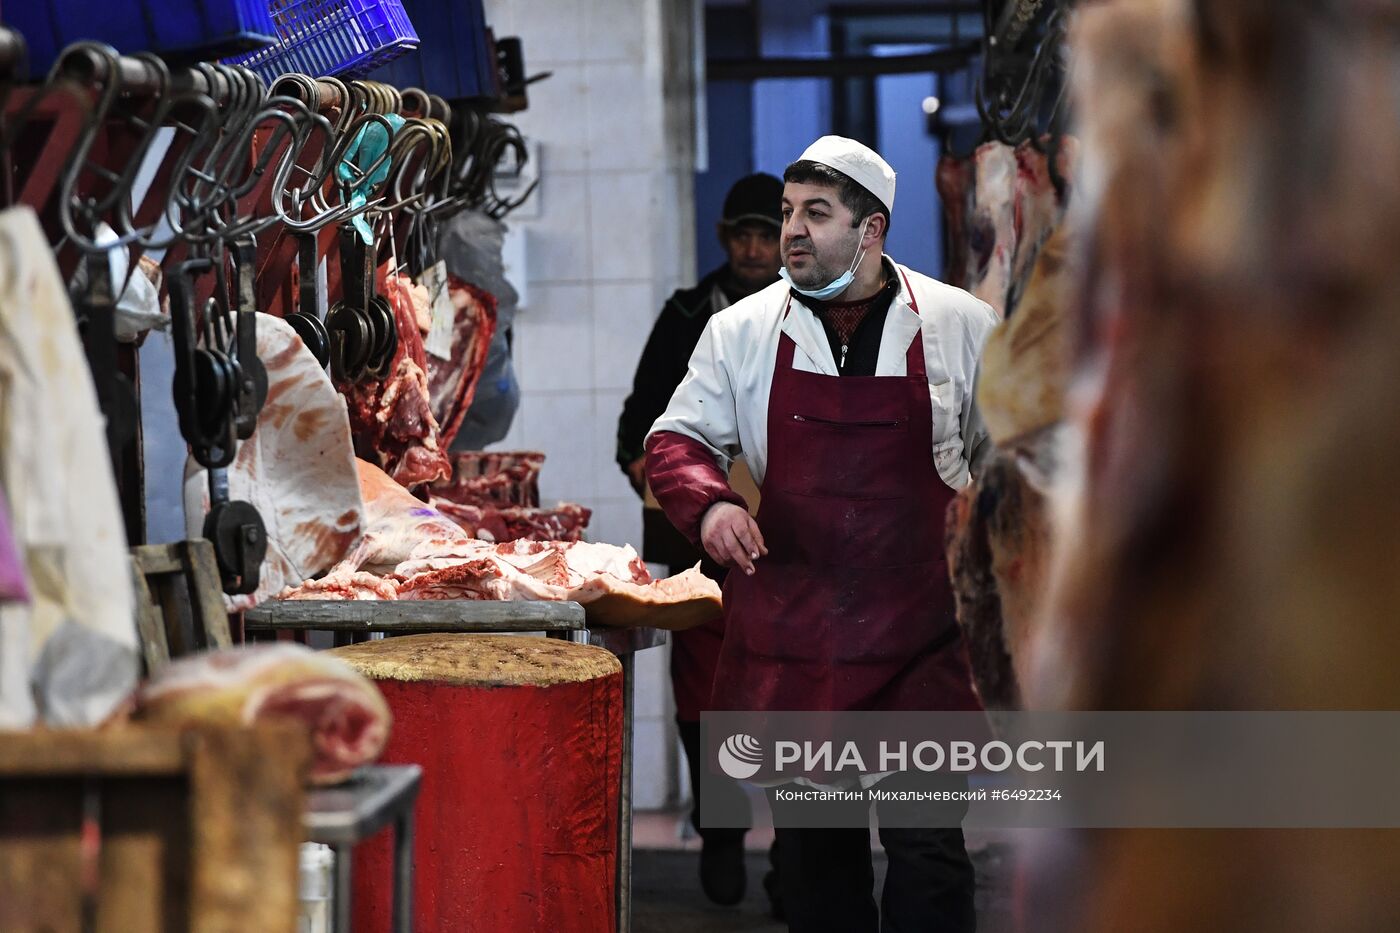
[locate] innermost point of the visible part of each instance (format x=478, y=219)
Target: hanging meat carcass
x=406, y=422
x=296, y=469
x=954, y=181
x=1000, y=205
x=1226, y=536
x=999, y=537
x=392, y=421
x=452, y=380
x=991, y=224
x=1024, y=370
x=999, y=542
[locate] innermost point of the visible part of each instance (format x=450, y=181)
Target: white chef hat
x=859, y=162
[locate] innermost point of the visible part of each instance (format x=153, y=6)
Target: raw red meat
x=413, y=551
x=542, y=569
x=1000, y=205
x=1025, y=364
x=492, y=478
x=1227, y=524
x=992, y=225
x=611, y=582
x=676, y=603
x=392, y=421
x=396, y=524
x=452, y=382
x=297, y=469
x=343, y=583
x=347, y=718
x=481, y=578
x=565, y=522
x=954, y=180
x=998, y=545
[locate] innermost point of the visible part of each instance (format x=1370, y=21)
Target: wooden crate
x=143, y=830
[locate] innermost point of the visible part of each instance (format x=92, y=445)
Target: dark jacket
x=664, y=362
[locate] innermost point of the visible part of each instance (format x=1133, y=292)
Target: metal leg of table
x=624, y=822
x=342, y=888
x=403, y=873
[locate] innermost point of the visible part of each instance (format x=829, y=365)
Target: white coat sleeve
x=703, y=406
x=977, y=444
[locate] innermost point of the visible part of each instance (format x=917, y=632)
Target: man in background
x=748, y=231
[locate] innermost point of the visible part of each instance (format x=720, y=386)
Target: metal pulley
x=240, y=544
x=238, y=534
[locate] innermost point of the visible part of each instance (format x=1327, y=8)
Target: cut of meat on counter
x=396, y=524
x=492, y=478
x=344, y=712
x=495, y=496
x=411, y=551
x=537, y=569
x=392, y=421
x=610, y=581
x=343, y=583
x=296, y=469
x=565, y=522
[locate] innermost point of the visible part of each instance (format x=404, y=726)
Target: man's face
x=819, y=240
x=753, y=253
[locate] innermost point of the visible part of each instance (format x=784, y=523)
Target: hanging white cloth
x=69, y=656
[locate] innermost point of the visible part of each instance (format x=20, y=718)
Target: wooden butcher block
x=520, y=741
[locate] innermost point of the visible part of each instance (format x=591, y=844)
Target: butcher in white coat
x=848, y=387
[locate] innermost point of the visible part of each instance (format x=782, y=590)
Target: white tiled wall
x=611, y=239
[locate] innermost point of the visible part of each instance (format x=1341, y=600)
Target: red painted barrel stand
x=520, y=740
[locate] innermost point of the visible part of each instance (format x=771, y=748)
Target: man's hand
x=731, y=536
x=637, y=473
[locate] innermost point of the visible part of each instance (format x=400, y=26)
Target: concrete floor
x=666, y=895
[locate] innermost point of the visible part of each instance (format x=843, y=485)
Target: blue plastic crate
x=182, y=30
x=454, y=59
x=332, y=37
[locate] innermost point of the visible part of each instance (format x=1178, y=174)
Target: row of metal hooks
x=240, y=192
x=1021, y=91
x=217, y=155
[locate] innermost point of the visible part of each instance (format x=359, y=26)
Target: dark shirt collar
x=884, y=296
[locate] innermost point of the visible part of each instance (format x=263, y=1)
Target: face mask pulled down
x=838, y=284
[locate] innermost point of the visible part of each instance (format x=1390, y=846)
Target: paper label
x=439, y=339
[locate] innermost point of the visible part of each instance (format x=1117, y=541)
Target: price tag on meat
x=439, y=339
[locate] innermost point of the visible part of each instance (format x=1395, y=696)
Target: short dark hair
x=857, y=199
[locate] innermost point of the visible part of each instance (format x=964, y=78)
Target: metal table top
x=447, y=616
x=363, y=805
x=415, y=616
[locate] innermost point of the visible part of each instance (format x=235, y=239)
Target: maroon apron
x=852, y=608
